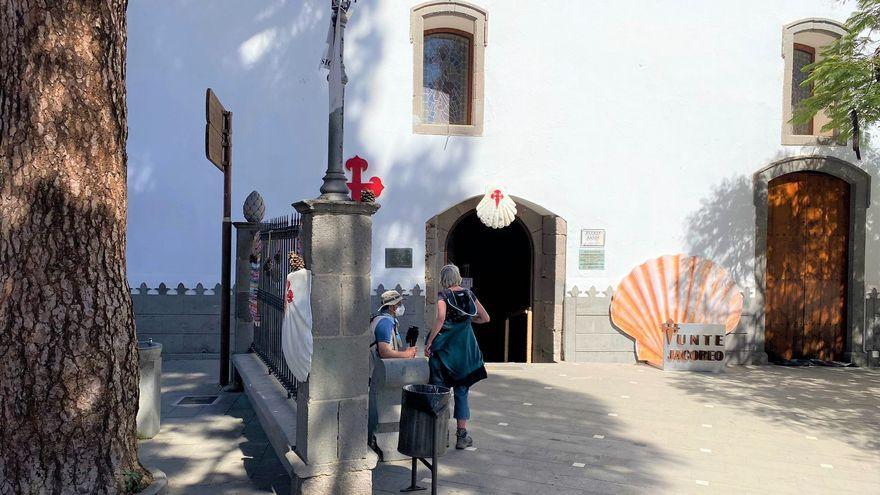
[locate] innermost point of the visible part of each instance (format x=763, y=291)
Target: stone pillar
x=332, y=405
x=245, y=234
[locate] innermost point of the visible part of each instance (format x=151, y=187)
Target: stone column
x=332, y=406
x=243, y=327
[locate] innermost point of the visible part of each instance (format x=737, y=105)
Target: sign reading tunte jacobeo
x=693, y=347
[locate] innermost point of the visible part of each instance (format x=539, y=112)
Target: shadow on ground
x=532, y=439
x=836, y=403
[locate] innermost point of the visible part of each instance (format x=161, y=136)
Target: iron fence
x=278, y=237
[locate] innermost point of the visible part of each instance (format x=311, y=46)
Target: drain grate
x=197, y=400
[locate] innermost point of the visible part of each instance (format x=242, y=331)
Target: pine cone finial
x=295, y=261
x=368, y=196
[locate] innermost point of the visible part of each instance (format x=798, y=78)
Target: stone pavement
x=216, y=449
x=573, y=429
x=606, y=428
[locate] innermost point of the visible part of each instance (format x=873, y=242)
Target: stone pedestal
x=331, y=432
x=150, y=388
x=389, y=377
x=243, y=328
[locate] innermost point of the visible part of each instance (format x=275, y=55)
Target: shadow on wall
x=262, y=60
x=871, y=163
x=723, y=228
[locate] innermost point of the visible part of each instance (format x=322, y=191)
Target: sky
x=244, y=51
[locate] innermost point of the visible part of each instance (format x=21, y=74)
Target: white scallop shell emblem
x=496, y=209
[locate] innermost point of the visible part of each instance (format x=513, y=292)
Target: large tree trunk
x=68, y=352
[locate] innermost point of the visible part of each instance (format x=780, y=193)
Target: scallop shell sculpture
x=684, y=289
x=496, y=209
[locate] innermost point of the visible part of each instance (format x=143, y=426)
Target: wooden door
x=807, y=266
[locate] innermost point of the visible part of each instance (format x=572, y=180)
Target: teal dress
x=456, y=359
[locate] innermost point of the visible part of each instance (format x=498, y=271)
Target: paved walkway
x=573, y=429
x=216, y=449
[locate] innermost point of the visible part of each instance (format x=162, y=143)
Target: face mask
x=399, y=311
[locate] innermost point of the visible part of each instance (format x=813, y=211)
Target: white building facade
x=623, y=130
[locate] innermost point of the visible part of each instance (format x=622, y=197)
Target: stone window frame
x=449, y=15
x=828, y=27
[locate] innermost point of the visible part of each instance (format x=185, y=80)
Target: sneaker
x=462, y=439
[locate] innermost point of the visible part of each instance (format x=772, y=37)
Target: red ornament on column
x=358, y=166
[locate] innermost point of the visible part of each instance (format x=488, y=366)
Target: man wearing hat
x=384, y=328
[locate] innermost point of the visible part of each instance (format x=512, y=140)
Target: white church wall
x=639, y=118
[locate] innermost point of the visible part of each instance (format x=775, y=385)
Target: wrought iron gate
x=278, y=237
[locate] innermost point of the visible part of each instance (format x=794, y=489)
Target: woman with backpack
x=455, y=358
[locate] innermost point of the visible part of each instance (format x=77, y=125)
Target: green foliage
x=132, y=482
x=846, y=78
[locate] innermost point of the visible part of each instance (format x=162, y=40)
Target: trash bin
x=150, y=401
x=424, y=428
x=424, y=409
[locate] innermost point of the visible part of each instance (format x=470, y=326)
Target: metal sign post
x=218, y=149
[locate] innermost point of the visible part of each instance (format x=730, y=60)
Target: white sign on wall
x=592, y=237
x=693, y=347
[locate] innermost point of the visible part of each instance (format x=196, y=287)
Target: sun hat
x=390, y=298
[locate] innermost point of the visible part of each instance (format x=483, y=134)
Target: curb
x=159, y=486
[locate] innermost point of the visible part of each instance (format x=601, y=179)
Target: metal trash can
x=424, y=427
x=150, y=400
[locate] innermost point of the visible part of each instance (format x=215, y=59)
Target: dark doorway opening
x=499, y=262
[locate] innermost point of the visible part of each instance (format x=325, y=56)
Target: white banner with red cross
x=296, y=329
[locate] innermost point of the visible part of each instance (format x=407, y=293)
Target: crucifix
x=358, y=166
x=497, y=196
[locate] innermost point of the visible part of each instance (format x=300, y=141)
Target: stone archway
x=548, y=233
x=860, y=199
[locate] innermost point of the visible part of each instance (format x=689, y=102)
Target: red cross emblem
x=289, y=293
x=497, y=196
x=358, y=166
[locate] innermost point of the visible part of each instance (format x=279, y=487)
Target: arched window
x=802, y=43
x=448, y=39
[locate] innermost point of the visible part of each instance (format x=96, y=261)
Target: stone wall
x=590, y=336
x=872, y=327
x=413, y=300
x=185, y=321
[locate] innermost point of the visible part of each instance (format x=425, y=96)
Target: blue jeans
x=460, y=396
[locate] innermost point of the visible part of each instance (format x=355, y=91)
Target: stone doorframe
x=860, y=200
x=548, y=233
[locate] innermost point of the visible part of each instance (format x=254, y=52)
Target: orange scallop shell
x=684, y=289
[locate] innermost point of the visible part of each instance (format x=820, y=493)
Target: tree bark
x=68, y=351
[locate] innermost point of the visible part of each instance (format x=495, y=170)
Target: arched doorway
x=812, y=206
x=546, y=233
x=499, y=264
x=807, y=261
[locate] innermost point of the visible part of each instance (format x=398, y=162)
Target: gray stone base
x=386, y=445
x=339, y=483
x=858, y=358
x=159, y=486
x=743, y=357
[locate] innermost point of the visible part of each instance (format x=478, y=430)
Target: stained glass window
x=446, y=79
x=803, y=56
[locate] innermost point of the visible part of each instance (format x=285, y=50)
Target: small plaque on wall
x=398, y=257
x=592, y=237
x=591, y=259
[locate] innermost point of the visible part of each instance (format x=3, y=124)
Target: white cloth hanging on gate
x=296, y=330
